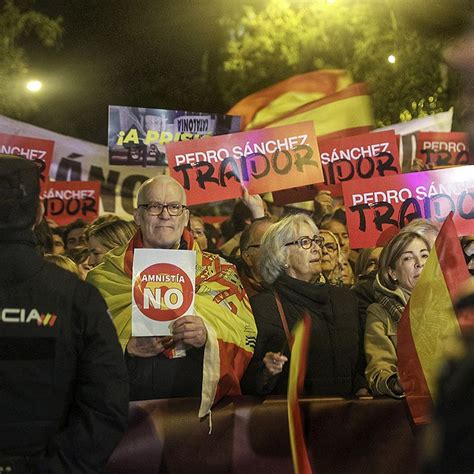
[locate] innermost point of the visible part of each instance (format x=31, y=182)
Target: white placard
x=162, y=289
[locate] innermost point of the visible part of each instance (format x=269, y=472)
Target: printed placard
x=66, y=201
x=35, y=149
x=391, y=202
x=162, y=290
x=260, y=160
x=137, y=135
x=359, y=157
x=437, y=149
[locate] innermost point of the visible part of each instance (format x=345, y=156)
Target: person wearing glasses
x=331, y=258
x=290, y=263
x=219, y=336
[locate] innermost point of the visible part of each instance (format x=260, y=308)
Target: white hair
x=273, y=252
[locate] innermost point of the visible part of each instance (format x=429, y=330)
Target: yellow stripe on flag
x=299, y=353
x=282, y=106
x=344, y=114
x=434, y=324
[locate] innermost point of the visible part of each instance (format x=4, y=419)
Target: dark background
x=150, y=53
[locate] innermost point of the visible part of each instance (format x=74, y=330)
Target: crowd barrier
x=250, y=435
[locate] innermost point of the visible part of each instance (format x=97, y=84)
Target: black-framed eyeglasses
x=156, y=208
x=306, y=242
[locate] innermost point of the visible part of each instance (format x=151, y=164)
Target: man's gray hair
x=273, y=252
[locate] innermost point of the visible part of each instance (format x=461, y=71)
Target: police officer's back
x=63, y=383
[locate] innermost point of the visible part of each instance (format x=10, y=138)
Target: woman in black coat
x=291, y=264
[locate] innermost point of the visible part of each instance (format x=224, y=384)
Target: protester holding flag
x=291, y=263
x=400, y=266
x=219, y=335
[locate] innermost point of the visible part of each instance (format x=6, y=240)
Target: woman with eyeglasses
x=290, y=263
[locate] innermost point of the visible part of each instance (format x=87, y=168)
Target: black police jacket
x=63, y=380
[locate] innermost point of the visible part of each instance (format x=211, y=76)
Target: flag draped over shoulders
x=220, y=301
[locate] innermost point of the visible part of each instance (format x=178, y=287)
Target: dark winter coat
x=63, y=380
x=335, y=360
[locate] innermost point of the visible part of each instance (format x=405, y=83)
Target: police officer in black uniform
x=63, y=381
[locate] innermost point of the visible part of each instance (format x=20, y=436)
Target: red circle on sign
x=159, y=289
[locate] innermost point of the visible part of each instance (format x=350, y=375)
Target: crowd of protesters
x=291, y=261
x=66, y=383
x=274, y=266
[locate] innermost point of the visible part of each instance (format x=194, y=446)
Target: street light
x=34, y=86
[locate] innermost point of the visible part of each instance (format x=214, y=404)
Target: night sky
x=139, y=53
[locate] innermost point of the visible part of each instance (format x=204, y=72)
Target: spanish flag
x=337, y=107
x=220, y=301
x=429, y=326
x=299, y=356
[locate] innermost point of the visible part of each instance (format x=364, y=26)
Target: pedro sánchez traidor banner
x=440, y=149
x=347, y=159
x=359, y=157
x=66, y=201
x=261, y=160
x=138, y=135
x=384, y=203
x=35, y=149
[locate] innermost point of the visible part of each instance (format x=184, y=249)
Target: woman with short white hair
x=290, y=264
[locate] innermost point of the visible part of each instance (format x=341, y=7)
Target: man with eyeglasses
x=219, y=337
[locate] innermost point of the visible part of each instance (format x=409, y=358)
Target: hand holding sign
x=162, y=291
x=191, y=330
x=148, y=346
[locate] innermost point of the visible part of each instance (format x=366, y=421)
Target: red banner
x=389, y=203
x=35, y=149
x=359, y=157
x=438, y=149
x=270, y=159
x=66, y=201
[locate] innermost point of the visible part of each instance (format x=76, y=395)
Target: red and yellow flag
x=429, y=325
x=328, y=98
x=299, y=356
x=220, y=301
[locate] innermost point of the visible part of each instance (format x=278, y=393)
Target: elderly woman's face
x=410, y=264
x=329, y=252
x=304, y=264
